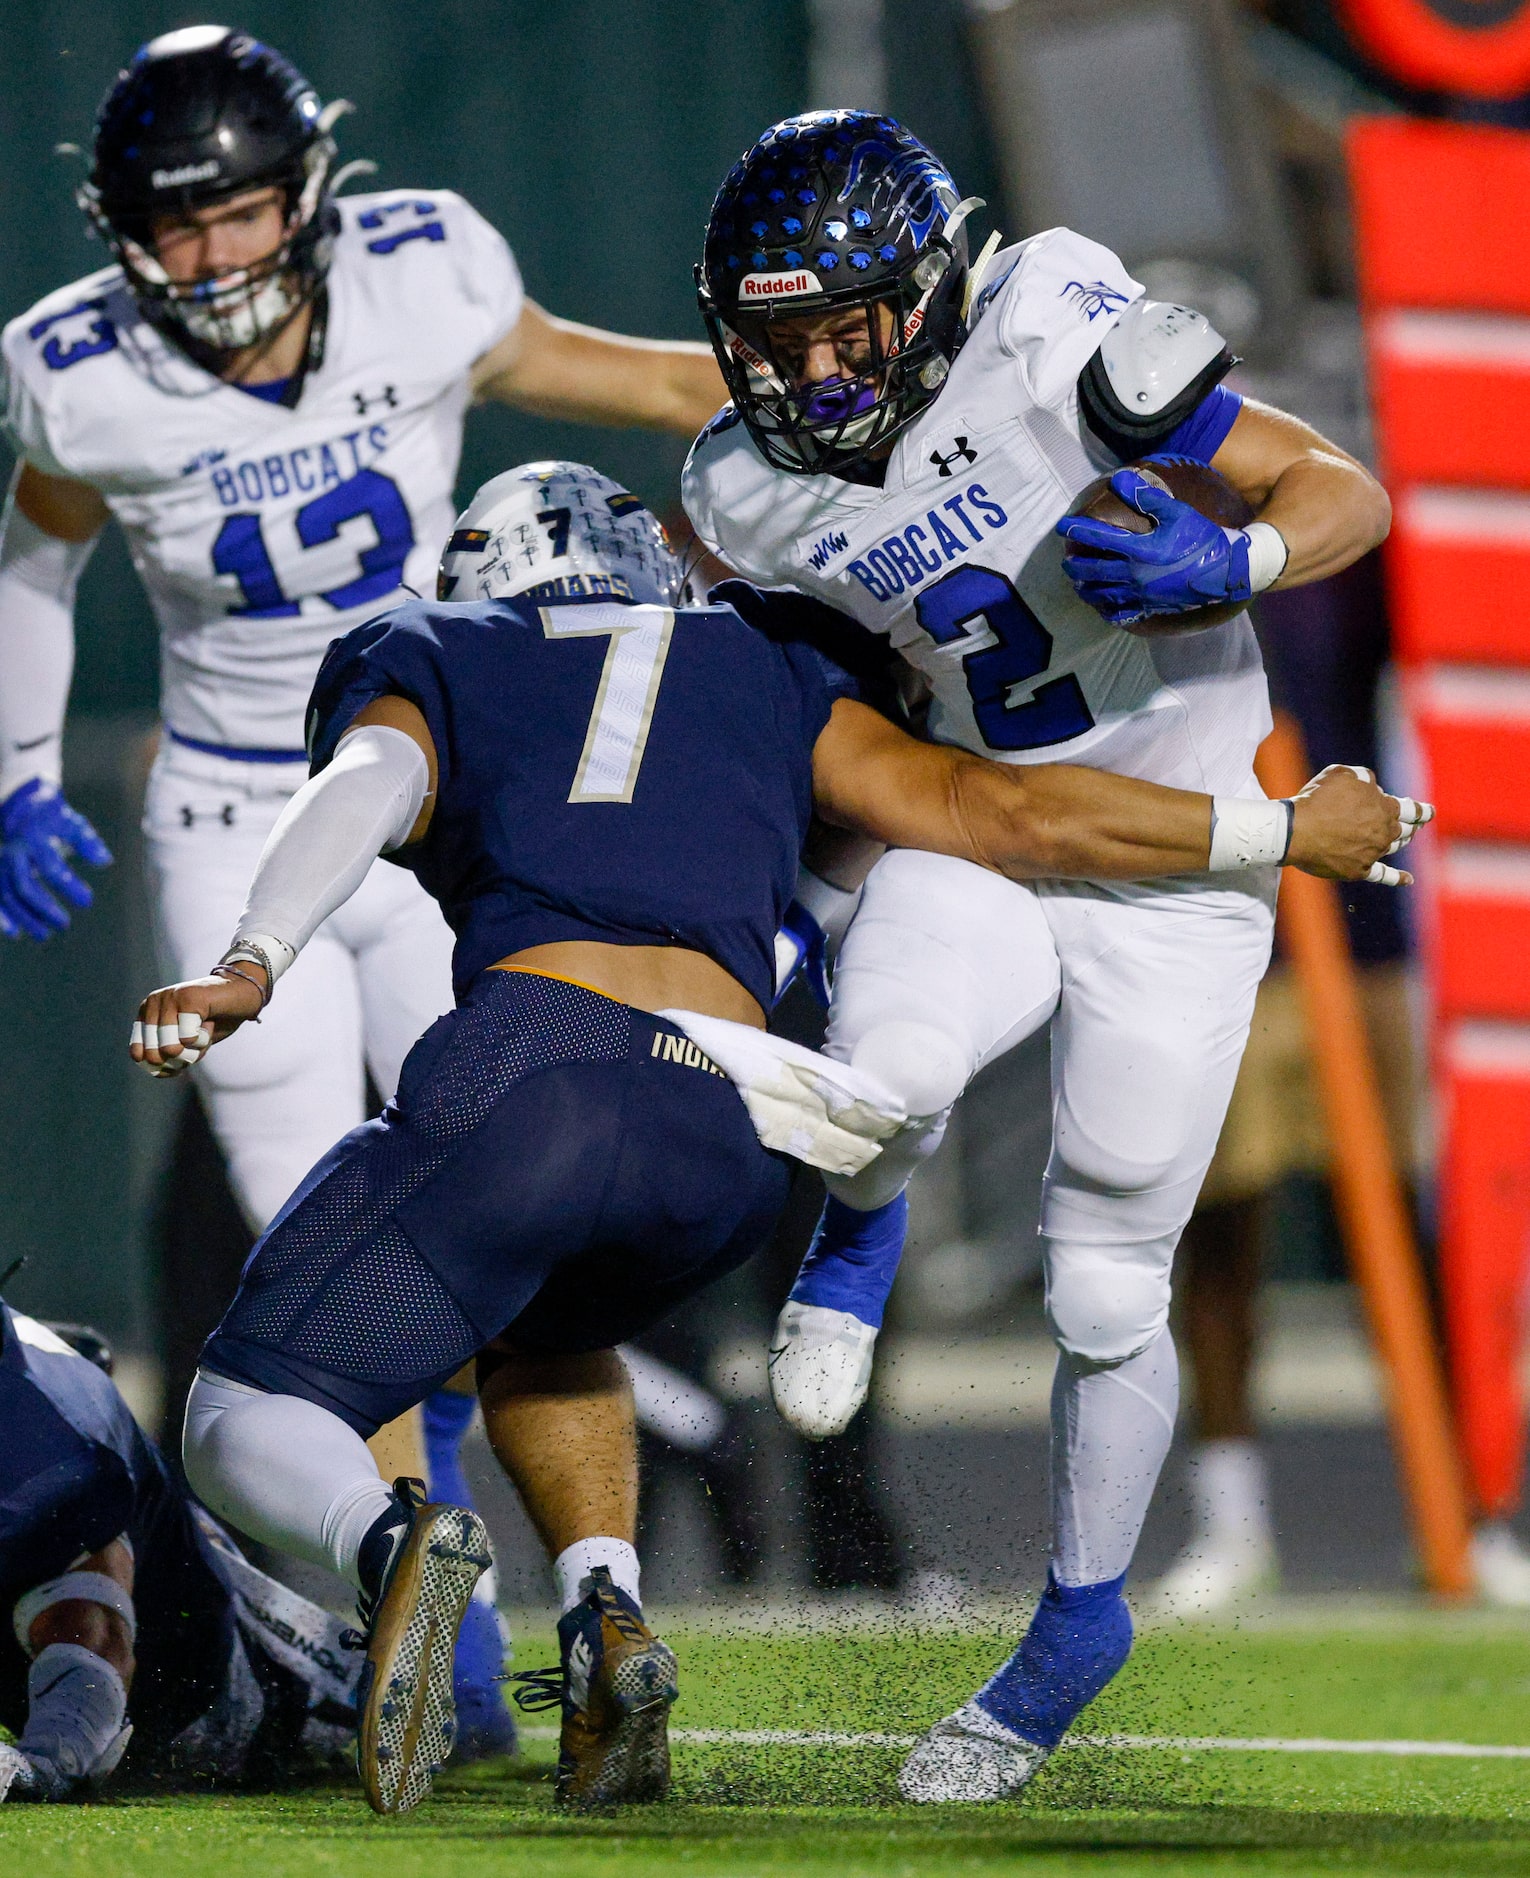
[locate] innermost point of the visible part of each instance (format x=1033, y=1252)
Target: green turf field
x=740, y=1809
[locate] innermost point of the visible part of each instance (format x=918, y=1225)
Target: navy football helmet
x=200, y=115
x=834, y=210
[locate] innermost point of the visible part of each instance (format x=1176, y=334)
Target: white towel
x=801, y=1103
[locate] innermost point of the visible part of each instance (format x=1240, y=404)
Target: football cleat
x=419, y=1566
x=1501, y=1567
x=969, y=1757
x=820, y=1368
x=24, y=1779
x=615, y=1684
x=1211, y=1577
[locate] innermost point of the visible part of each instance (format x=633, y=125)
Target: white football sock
x=573, y=1565
x=283, y=1470
x=1230, y=1493
x=1111, y=1429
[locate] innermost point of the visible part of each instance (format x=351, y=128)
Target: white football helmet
x=550, y=530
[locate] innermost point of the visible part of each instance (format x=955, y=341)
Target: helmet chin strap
x=978, y=272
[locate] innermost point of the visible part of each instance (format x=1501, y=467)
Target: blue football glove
x=39, y=834
x=1184, y=563
x=802, y=949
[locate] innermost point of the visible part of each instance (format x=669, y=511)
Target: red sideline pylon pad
x=1452, y=398
x=1458, y=575
x=1481, y=931
x=1473, y=727
x=1440, y=214
x=1485, y=1246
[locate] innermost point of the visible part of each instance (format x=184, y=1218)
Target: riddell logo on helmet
x=779, y=286
x=187, y=173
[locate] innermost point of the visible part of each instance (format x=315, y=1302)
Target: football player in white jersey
x=266, y=388
x=906, y=435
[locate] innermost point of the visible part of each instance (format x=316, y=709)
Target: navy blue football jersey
x=76, y=1471
x=625, y=773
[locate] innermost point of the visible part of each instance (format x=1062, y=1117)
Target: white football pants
x=1150, y=989
x=374, y=976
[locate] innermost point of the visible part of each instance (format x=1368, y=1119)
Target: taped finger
x=167, y=1036
x=1360, y=770
x=1383, y=876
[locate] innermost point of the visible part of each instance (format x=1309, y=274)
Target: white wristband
x=1267, y=555
x=261, y=948
x=1247, y=833
x=72, y=1588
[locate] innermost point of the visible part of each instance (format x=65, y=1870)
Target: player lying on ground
x=607, y=790
x=266, y=389
x=132, y=1624
x=907, y=438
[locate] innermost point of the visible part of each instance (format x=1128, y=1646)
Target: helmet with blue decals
x=833, y=211
x=199, y=115
x=559, y=531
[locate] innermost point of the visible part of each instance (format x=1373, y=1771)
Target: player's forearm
x=38, y=576
x=1328, y=508
x=1329, y=512
x=327, y=837
x=1060, y=821
x=580, y=373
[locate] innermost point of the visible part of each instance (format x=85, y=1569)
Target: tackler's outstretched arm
x=1035, y=821
x=48, y=530
x=376, y=794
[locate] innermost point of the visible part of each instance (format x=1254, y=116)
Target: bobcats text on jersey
x=261, y=532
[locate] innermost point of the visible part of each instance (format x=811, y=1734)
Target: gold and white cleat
x=408, y=1719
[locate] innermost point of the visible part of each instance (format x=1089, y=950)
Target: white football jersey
x=261, y=533
x=954, y=558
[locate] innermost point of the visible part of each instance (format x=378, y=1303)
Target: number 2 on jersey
x=1055, y=712
x=622, y=714
x=241, y=550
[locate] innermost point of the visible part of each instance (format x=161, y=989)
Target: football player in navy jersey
x=606, y=790
x=265, y=388
x=130, y=1625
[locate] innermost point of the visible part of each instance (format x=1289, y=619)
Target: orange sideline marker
x=1378, y=1235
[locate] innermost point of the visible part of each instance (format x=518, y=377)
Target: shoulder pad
x=1152, y=369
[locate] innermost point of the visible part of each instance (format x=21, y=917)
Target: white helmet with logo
x=559, y=529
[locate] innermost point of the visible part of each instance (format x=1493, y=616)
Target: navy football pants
x=549, y=1169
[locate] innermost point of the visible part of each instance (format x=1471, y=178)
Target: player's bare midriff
x=650, y=978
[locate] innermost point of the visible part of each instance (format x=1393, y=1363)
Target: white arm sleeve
x=331, y=832
x=38, y=576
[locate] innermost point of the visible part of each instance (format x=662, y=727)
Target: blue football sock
x=447, y=1417
x=484, y=1724
x=853, y=1260
x=1078, y=1639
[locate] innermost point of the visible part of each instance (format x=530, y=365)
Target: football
x=1208, y=492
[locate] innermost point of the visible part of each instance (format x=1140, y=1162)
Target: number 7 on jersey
x=629, y=687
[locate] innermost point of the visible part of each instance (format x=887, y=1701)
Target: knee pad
x=1106, y=1304
x=926, y=1065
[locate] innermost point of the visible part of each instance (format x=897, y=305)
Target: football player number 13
x=241, y=548
x=972, y=597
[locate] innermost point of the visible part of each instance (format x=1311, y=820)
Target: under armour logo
x=190, y=817
x=963, y=453
x=387, y=396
